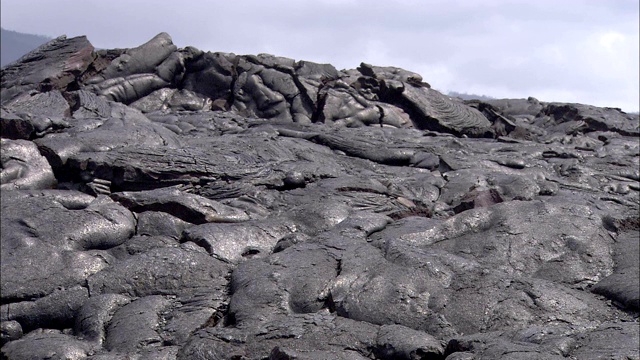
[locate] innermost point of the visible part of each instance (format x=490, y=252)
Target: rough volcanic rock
x=56, y=65
x=232, y=242
x=33, y=115
x=164, y=270
x=48, y=344
x=23, y=168
x=590, y=118
x=165, y=203
x=623, y=286
x=188, y=207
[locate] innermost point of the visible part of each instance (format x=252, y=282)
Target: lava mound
x=169, y=203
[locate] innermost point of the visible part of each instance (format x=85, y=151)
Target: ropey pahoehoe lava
x=169, y=203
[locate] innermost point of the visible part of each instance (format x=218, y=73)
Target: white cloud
x=578, y=50
x=610, y=40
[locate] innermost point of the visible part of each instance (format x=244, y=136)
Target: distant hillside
x=13, y=45
x=465, y=96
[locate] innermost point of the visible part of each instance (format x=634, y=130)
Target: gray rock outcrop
x=166, y=203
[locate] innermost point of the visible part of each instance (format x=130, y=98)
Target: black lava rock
x=166, y=203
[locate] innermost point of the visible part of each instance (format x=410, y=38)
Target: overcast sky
x=555, y=50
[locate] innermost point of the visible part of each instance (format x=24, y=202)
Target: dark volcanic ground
x=165, y=203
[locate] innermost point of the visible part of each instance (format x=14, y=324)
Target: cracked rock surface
x=167, y=203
